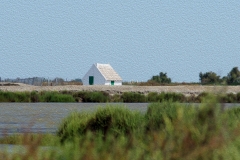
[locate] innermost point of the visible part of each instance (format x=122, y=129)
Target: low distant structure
x=101, y=74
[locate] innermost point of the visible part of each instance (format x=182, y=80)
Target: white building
x=101, y=74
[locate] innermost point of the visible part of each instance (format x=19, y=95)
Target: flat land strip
x=184, y=89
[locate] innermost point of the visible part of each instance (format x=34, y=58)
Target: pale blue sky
x=139, y=39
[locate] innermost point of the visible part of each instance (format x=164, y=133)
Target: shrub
x=7, y=96
x=238, y=97
x=95, y=97
x=232, y=98
x=115, y=98
x=91, y=96
x=34, y=96
x=201, y=96
x=56, y=97
x=14, y=96
x=131, y=97
x=108, y=120
x=22, y=96
x=152, y=97
x=156, y=113
x=174, y=97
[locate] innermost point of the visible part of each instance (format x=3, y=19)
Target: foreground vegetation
x=104, y=97
x=167, y=130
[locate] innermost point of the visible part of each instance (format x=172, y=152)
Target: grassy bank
x=97, y=96
x=167, y=130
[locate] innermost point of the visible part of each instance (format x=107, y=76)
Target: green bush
x=103, y=97
x=131, y=97
x=174, y=97
x=96, y=97
x=201, y=97
x=100, y=97
x=14, y=96
x=169, y=96
x=156, y=113
x=56, y=97
x=34, y=96
x=115, y=98
x=107, y=120
x=227, y=98
x=152, y=97
x=7, y=96
x=232, y=98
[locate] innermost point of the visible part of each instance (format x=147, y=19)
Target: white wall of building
x=98, y=78
x=116, y=83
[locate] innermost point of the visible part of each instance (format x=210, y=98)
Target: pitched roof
x=108, y=72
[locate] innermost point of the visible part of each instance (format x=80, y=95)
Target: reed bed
x=104, y=97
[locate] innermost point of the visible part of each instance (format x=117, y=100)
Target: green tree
x=209, y=78
x=161, y=78
x=233, y=76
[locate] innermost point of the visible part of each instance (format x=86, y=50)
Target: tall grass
x=115, y=120
x=55, y=97
x=133, y=97
x=168, y=130
x=103, y=97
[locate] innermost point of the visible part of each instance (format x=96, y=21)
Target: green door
x=91, y=80
x=112, y=83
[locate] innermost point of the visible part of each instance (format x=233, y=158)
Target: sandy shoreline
x=184, y=89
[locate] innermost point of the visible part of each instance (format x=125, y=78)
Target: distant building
x=101, y=74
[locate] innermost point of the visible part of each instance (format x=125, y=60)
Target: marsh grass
x=104, y=97
x=131, y=97
x=168, y=130
x=19, y=139
x=55, y=97
x=14, y=96
x=114, y=120
x=34, y=96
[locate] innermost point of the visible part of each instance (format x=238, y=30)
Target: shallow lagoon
x=45, y=117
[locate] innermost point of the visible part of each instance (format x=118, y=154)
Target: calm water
x=45, y=117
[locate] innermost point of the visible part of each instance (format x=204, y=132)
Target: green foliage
x=153, y=97
x=14, y=96
x=174, y=97
x=108, y=120
x=103, y=97
x=131, y=97
x=55, y=97
x=156, y=113
x=34, y=96
x=209, y=78
x=168, y=96
x=228, y=98
x=19, y=139
x=115, y=98
x=233, y=76
x=95, y=97
x=201, y=97
x=174, y=131
x=161, y=78
x=91, y=96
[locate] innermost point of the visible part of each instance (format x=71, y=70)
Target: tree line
x=232, y=78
